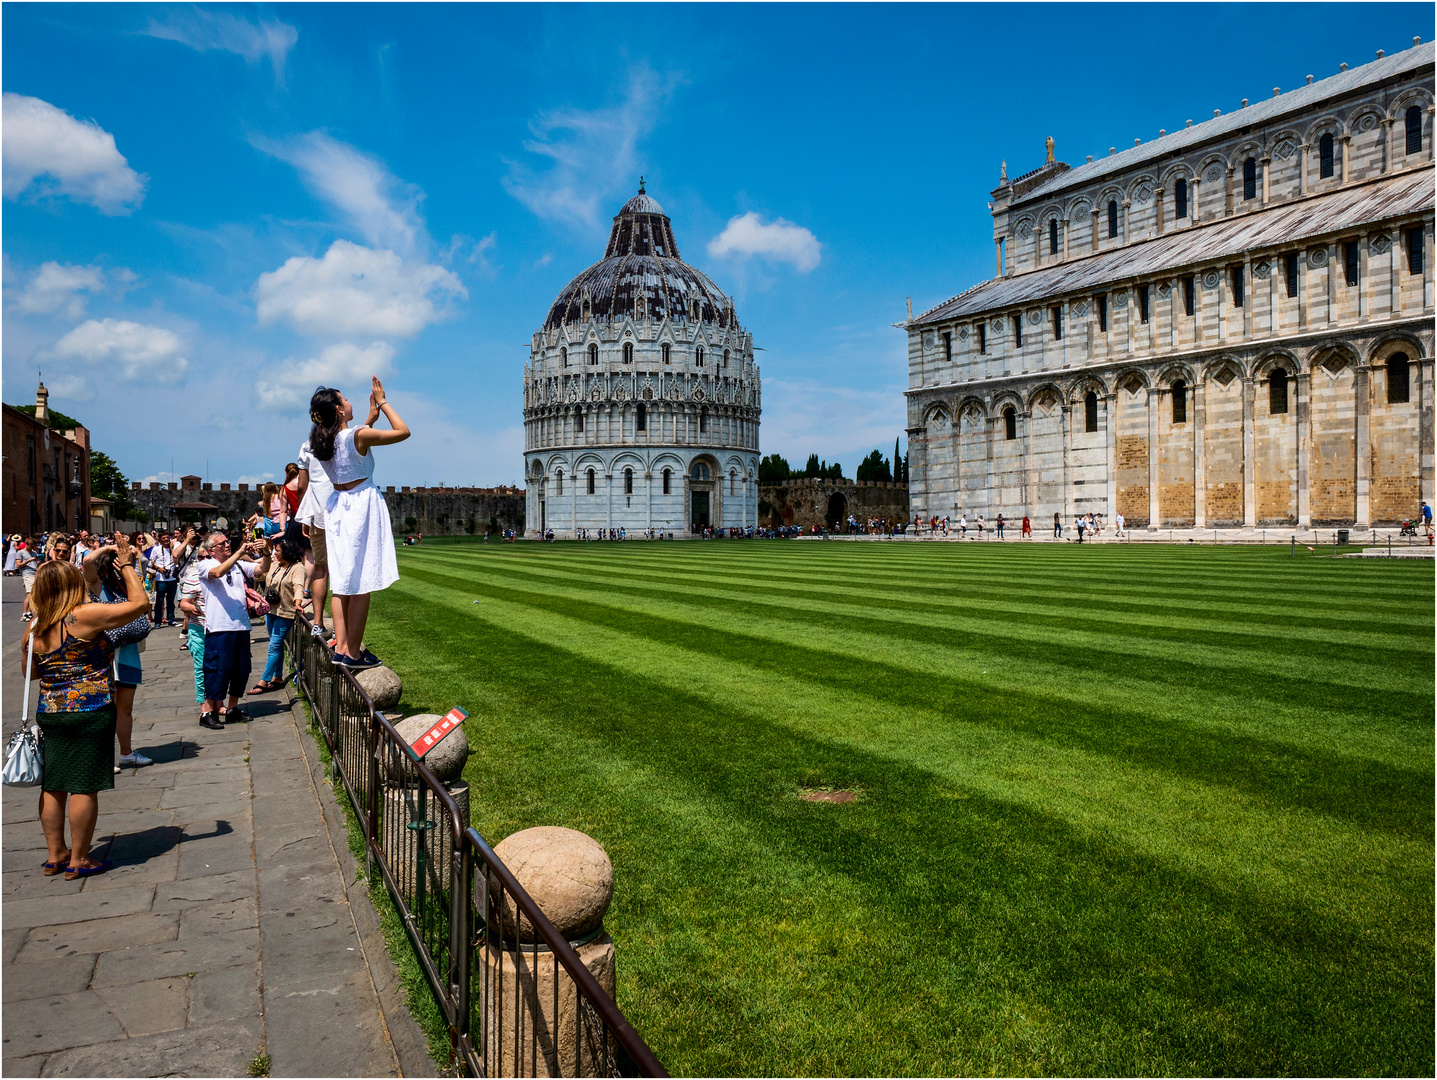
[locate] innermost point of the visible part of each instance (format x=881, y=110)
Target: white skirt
x=359, y=541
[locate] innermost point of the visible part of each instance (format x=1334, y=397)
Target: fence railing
x=516, y=997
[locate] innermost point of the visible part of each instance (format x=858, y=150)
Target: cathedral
x=641, y=395
x=1231, y=325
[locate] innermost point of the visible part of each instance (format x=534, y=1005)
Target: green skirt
x=78, y=755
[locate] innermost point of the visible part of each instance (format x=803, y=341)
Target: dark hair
x=289, y=551
x=109, y=577
x=324, y=412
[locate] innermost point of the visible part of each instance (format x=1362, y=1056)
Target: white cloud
x=377, y=204
x=210, y=30
x=56, y=287
x=49, y=148
x=255, y=478
x=835, y=422
x=782, y=241
x=289, y=386
x=355, y=290
x=591, y=155
x=136, y=350
x=71, y=388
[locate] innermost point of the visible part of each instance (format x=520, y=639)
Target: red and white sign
x=454, y=718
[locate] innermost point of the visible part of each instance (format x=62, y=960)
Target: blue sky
x=210, y=210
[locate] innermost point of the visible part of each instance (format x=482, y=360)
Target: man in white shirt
x=314, y=492
x=162, y=562
x=222, y=577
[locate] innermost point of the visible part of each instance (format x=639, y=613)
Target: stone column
x=1227, y=197
x=1066, y=418
x=1364, y=276
x=998, y=257
x=1194, y=206
x=1264, y=164
x=1125, y=235
x=1153, y=508
x=1063, y=228
x=1220, y=301
x=1249, y=478
x=1424, y=439
x=1362, y=387
x=1007, y=251
x=1096, y=245
x=1346, y=141
x=1175, y=303
x=649, y=493
x=608, y=497
x=1302, y=385
x=1110, y=402
x=1030, y=486
x=1302, y=289
x=1332, y=283
x=1247, y=287
x=1427, y=264
x=1387, y=152
x=1302, y=151
x=1158, y=208
x=1394, y=281
x=1199, y=454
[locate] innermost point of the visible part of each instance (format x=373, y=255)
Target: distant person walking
x=1057, y=526
x=1082, y=524
x=1000, y=526
x=1027, y=533
x=357, y=530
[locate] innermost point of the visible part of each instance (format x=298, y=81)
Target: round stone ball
x=382, y=685
x=445, y=761
x=566, y=872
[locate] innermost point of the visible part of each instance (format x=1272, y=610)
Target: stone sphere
x=445, y=761
x=382, y=685
x=566, y=872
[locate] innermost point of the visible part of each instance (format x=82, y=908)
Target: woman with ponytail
x=356, y=520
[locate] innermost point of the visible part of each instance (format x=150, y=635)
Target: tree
x=774, y=469
x=108, y=482
x=874, y=467
x=812, y=467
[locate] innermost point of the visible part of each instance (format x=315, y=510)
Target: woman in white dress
x=356, y=520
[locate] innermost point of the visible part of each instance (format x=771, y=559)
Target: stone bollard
x=571, y=879
x=382, y=685
x=402, y=805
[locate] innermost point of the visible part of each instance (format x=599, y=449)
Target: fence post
x=460, y=934
x=371, y=826
x=333, y=723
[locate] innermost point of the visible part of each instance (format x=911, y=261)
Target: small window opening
x=1057, y=322
x=559, y=482
x=1143, y=302
x=1324, y=156
x=1180, y=199
x=1237, y=283
x=1189, y=290
x=1112, y=218
x=1277, y=391
x=725, y=358
x=1102, y=302
x=1053, y=237
x=1090, y=411
x=699, y=356
x=1018, y=330
x=1010, y=423
x=628, y=352
x=593, y=354
x=667, y=358
x=666, y=481
x=1399, y=379
x=1290, y=261
x=703, y=419
x=1180, y=402
x=641, y=418
x=697, y=308
x=578, y=421
x=1249, y=179
x=732, y=480
x=983, y=339
x=591, y=481
x=1416, y=253
x=563, y=357
x=1414, y=130
x=1350, y=259
x=947, y=346
x=628, y=481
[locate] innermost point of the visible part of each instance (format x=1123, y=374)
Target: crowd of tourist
x=92, y=600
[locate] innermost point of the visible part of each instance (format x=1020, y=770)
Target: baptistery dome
x=641, y=395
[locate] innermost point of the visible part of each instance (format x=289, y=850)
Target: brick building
x=1230, y=325
x=45, y=478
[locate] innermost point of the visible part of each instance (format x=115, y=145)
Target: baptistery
x=641, y=395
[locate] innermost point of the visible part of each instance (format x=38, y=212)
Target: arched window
x=1180, y=199
x=1399, y=384
x=628, y=481
x=641, y=418
x=699, y=356
x=703, y=419
x=700, y=471
x=1277, y=391
x=578, y=421
x=1090, y=411
x=732, y=480
x=563, y=357
x=1414, y=130
x=628, y=352
x=1249, y=179
x=666, y=481
x=591, y=481
x=697, y=309
x=1180, y=402
x=593, y=354
x=559, y=482
x=725, y=358
x=1112, y=217
x=1010, y=423
x=1053, y=236
x=1324, y=152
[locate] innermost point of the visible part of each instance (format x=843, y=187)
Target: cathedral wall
x=1132, y=456
x=1275, y=454
x=1176, y=494
x=1223, y=450
x=1334, y=457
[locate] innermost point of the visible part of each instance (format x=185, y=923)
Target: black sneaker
x=211, y=721
x=355, y=663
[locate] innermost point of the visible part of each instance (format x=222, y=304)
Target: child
x=356, y=520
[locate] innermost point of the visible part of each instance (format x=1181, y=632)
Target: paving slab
x=225, y=929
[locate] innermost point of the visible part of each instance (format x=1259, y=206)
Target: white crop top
x=346, y=466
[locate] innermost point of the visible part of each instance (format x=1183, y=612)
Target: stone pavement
x=231, y=926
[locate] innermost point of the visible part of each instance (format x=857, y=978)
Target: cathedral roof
x=641, y=264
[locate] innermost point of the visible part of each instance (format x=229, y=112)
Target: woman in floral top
x=76, y=712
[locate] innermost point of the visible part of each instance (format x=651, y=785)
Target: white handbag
x=23, y=760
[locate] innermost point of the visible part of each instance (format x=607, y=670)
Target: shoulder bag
x=256, y=604
x=24, y=753
x=133, y=632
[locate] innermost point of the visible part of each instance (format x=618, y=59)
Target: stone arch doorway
x=837, y=510
x=705, y=494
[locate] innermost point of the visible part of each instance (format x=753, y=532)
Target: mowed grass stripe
x=938, y=674
x=1235, y=649
x=934, y=926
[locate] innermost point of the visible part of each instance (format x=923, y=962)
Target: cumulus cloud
x=377, y=204
x=748, y=235
x=56, y=287
x=215, y=30
x=71, y=388
x=49, y=149
x=354, y=291
x=289, y=386
x=591, y=155
x=255, y=478
x=135, y=350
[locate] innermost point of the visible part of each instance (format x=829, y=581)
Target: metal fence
x=517, y=998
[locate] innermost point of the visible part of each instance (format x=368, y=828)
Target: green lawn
x=1122, y=809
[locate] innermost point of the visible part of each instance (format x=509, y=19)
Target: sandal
x=262, y=687
x=53, y=868
x=77, y=872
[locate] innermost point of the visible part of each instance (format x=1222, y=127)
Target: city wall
x=810, y=502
